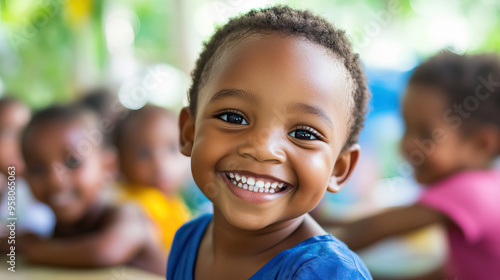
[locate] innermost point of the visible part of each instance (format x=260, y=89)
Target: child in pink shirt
x=471, y=201
x=451, y=111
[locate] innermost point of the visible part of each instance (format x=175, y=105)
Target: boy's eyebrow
x=234, y=93
x=306, y=108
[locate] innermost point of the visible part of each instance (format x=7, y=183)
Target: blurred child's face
x=64, y=170
x=151, y=156
x=274, y=114
x=12, y=121
x=432, y=142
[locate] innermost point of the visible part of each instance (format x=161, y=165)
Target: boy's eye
x=232, y=118
x=72, y=162
x=303, y=134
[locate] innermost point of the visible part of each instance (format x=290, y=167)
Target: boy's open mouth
x=257, y=185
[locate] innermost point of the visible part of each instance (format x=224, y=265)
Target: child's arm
x=20, y=241
x=367, y=231
x=117, y=243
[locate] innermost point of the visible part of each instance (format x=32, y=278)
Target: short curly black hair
x=289, y=22
x=469, y=81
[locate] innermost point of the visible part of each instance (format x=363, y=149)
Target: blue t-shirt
x=319, y=257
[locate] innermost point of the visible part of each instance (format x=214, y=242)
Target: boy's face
x=151, y=156
x=276, y=110
x=12, y=121
x=64, y=169
x=432, y=142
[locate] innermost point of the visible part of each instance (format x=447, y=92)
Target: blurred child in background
x=451, y=112
x=152, y=167
x=68, y=167
x=32, y=216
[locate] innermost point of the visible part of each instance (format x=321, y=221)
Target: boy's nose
x=265, y=146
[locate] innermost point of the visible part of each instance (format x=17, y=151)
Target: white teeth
x=259, y=184
x=251, y=181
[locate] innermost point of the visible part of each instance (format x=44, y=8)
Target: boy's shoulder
x=192, y=230
x=185, y=246
x=319, y=257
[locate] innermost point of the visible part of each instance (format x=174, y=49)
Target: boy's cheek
x=204, y=171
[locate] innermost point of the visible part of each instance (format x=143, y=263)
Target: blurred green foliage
x=52, y=49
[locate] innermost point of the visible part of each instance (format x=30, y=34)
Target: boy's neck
x=228, y=241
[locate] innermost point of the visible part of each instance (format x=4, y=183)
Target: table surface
x=33, y=272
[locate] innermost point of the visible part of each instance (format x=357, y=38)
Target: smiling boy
x=276, y=105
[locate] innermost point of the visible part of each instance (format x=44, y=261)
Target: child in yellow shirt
x=152, y=168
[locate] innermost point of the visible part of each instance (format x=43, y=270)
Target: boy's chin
x=247, y=221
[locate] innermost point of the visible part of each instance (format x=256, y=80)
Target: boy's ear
x=343, y=168
x=186, y=128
